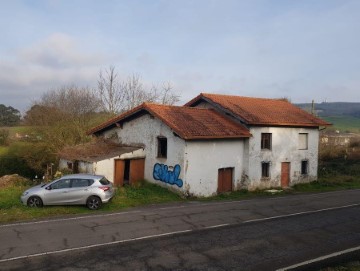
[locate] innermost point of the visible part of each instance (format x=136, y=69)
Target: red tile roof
x=95, y=150
x=260, y=111
x=188, y=122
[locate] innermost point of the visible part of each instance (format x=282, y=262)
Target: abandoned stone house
x=214, y=143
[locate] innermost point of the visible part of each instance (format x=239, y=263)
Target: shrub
x=4, y=137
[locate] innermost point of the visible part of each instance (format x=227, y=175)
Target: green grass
x=344, y=182
x=344, y=123
x=3, y=150
x=19, y=129
x=350, y=266
x=11, y=209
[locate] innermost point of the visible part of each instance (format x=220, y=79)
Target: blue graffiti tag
x=162, y=173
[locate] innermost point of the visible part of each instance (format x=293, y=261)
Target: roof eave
x=216, y=137
x=290, y=124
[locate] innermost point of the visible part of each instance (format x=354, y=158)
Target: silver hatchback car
x=75, y=189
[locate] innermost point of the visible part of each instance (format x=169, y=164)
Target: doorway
x=126, y=172
x=285, y=174
x=225, y=177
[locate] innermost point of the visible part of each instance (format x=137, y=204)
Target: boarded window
x=265, y=169
x=162, y=147
x=303, y=141
x=304, y=167
x=266, y=141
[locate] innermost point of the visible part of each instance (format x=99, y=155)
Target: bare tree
x=62, y=116
x=110, y=90
x=74, y=100
x=119, y=95
x=167, y=96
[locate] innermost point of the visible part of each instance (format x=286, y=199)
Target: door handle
x=65, y=191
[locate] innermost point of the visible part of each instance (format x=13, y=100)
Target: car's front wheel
x=93, y=203
x=34, y=201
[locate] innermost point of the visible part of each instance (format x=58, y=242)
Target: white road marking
x=301, y=213
x=167, y=208
x=67, y=219
x=335, y=254
x=170, y=233
x=200, y=204
x=92, y=246
x=217, y=226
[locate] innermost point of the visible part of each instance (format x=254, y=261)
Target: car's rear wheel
x=34, y=201
x=93, y=203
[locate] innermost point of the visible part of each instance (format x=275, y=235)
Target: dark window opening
x=265, y=169
x=304, y=167
x=266, y=141
x=162, y=147
x=127, y=172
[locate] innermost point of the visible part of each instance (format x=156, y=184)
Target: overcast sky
x=302, y=50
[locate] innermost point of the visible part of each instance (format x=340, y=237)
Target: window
x=81, y=183
x=266, y=141
x=265, y=169
x=303, y=141
x=304, y=167
x=104, y=181
x=162, y=147
x=61, y=184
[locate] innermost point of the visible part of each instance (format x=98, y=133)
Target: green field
x=344, y=123
x=3, y=150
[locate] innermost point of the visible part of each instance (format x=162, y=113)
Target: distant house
x=338, y=139
x=217, y=143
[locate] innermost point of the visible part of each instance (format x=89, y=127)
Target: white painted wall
x=107, y=167
x=83, y=167
x=145, y=130
x=285, y=148
x=204, y=158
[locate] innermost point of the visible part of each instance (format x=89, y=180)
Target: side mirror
x=48, y=187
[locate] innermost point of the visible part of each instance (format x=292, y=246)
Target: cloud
x=59, y=51
x=49, y=63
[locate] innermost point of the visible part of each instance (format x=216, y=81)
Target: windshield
x=104, y=181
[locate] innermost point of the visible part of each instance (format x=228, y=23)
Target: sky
x=302, y=50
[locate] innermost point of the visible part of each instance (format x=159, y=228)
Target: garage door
x=128, y=171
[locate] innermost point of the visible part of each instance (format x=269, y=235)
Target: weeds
x=11, y=209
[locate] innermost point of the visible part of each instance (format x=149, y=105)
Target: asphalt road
x=257, y=234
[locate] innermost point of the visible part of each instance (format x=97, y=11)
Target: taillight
x=104, y=188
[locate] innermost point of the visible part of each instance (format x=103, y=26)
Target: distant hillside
x=344, y=116
x=333, y=109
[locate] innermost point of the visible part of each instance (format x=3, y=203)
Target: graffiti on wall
x=162, y=173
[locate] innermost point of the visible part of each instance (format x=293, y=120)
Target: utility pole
x=313, y=107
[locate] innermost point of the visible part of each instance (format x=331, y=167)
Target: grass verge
x=11, y=209
x=350, y=266
x=146, y=193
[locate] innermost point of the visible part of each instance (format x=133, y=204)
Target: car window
x=81, y=182
x=61, y=184
x=104, y=181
